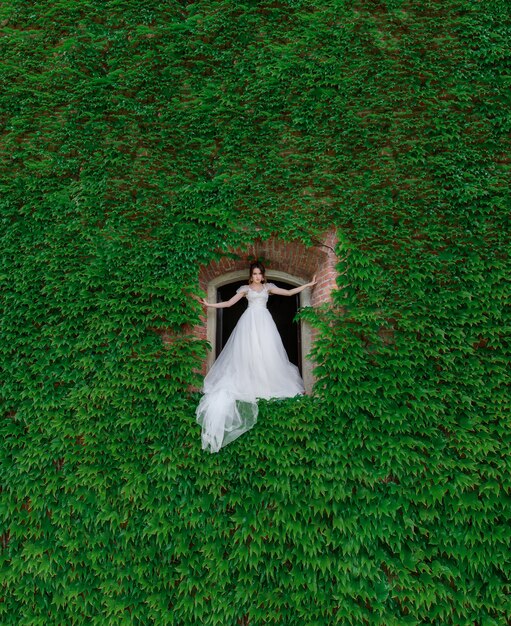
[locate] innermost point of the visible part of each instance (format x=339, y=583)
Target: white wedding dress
x=253, y=364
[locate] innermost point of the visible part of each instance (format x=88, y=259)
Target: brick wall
x=325, y=270
x=293, y=258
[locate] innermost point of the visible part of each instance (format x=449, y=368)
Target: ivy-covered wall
x=141, y=139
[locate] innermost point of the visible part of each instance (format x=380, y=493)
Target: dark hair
x=256, y=265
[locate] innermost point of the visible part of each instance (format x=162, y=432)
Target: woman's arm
x=278, y=291
x=224, y=305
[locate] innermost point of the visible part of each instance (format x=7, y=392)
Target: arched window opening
x=288, y=264
x=303, y=332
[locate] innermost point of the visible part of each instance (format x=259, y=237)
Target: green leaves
x=145, y=139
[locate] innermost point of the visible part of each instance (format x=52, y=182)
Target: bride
x=252, y=365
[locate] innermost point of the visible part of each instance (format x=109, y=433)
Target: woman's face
x=257, y=276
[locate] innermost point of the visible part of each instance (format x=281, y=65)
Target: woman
x=253, y=364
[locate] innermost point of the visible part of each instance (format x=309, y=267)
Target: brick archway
x=291, y=262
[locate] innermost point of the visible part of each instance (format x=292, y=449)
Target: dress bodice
x=257, y=298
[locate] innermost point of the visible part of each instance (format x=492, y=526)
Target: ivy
x=143, y=140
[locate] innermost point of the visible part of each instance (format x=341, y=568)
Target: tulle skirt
x=252, y=365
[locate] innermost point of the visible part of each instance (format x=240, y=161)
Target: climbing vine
x=140, y=141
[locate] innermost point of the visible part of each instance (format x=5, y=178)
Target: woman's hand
x=313, y=281
x=201, y=300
